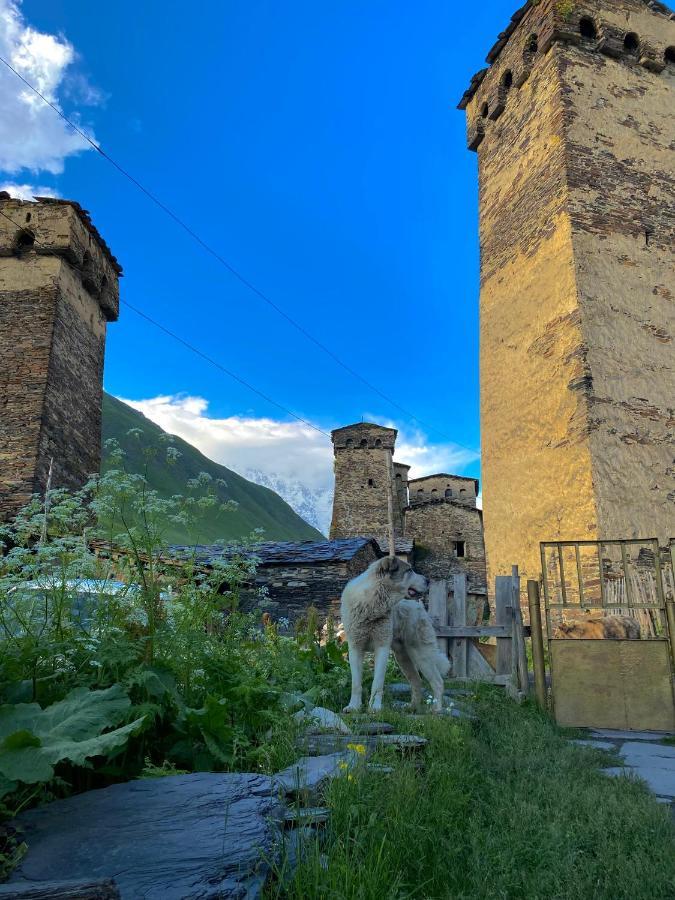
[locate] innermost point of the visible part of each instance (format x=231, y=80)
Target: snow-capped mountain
x=315, y=506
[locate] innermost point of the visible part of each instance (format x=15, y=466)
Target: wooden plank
x=438, y=610
x=459, y=648
x=519, y=650
x=503, y=601
x=478, y=666
x=473, y=631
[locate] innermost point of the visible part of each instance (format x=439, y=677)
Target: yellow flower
x=343, y=766
x=357, y=748
x=350, y=778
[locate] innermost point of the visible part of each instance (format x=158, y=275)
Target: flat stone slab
x=335, y=743
x=371, y=728
x=642, y=750
x=608, y=735
x=174, y=838
x=398, y=689
x=596, y=745
x=313, y=815
x=309, y=774
x=380, y=770
x=661, y=782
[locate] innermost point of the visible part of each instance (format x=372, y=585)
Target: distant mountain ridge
x=314, y=507
x=258, y=505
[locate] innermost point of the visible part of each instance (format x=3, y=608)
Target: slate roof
x=275, y=553
x=401, y=545
x=88, y=224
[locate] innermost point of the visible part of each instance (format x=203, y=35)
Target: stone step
x=606, y=734
x=321, y=744
x=596, y=745
x=310, y=773
x=311, y=815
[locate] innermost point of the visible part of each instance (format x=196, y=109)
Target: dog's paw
x=375, y=705
x=352, y=708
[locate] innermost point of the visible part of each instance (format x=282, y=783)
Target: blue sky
x=317, y=147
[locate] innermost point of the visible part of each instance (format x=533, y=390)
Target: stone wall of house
x=363, y=459
x=292, y=589
x=437, y=527
x=574, y=137
x=58, y=290
x=449, y=487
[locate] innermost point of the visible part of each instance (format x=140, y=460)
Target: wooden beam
x=474, y=631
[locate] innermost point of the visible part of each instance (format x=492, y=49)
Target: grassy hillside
x=259, y=507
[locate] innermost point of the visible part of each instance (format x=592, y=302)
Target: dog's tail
x=443, y=663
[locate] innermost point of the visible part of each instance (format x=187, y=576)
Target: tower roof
x=364, y=426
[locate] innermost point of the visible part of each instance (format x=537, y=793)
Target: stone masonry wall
x=56, y=297
x=576, y=326
x=436, y=526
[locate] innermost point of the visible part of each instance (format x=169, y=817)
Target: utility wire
x=192, y=348
x=230, y=268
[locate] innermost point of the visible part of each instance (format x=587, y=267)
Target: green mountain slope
x=259, y=507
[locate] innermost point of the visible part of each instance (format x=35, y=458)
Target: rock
x=402, y=741
x=312, y=815
x=595, y=745
x=62, y=890
x=309, y=774
x=379, y=770
x=370, y=728
x=333, y=743
x=173, y=838
x=321, y=720
x=398, y=689
x=606, y=734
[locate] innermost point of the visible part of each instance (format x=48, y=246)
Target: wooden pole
x=537, y=643
x=390, y=503
x=519, y=635
x=43, y=535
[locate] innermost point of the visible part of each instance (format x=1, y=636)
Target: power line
x=230, y=268
x=195, y=350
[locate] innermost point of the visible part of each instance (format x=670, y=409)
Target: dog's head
x=401, y=580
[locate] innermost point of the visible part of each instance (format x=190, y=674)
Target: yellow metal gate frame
x=620, y=684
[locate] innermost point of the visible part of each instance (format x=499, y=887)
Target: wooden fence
x=457, y=617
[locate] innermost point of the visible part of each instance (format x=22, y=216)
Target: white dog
x=380, y=611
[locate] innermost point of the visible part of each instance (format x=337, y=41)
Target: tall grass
x=505, y=808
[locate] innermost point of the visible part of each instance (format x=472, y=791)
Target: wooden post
x=438, y=609
x=537, y=644
x=519, y=649
x=460, y=646
x=503, y=614
x=390, y=503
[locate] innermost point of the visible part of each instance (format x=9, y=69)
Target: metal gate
x=596, y=589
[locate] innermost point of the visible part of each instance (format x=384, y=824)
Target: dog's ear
x=390, y=565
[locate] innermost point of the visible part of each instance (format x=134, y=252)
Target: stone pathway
x=644, y=755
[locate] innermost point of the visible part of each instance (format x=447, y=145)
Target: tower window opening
x=507, y=80
x=632, y=43
x=669, y=56
x=448, y=493
x=25, y=239
x=420, y=492
x=532, y=45
x=371, y=483
x=460, y=549
x=398, y=477
x=378, y=443
x=587, y=29
x=485, y=111
x=29, y=216
x=648, y=237
x=364, y=443
x=434, y=492
x=349, y=443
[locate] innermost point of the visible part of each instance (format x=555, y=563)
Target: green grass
x=503, y=808
x=259, y=507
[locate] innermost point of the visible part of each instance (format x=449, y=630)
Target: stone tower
x=58, y=291
x=363, y=459
x=573, y=122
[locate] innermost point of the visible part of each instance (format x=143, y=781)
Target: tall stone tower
x=363, y=459
x=573, y=122
x=58, y=291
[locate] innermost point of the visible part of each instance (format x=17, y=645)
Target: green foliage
x=503, y=808
x=33, y=740
x=257, y=507
x=565, y=9
x=130, y=661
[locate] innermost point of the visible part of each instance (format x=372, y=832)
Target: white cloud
x=26, y=191
x=290, y=450
x=32, y=136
